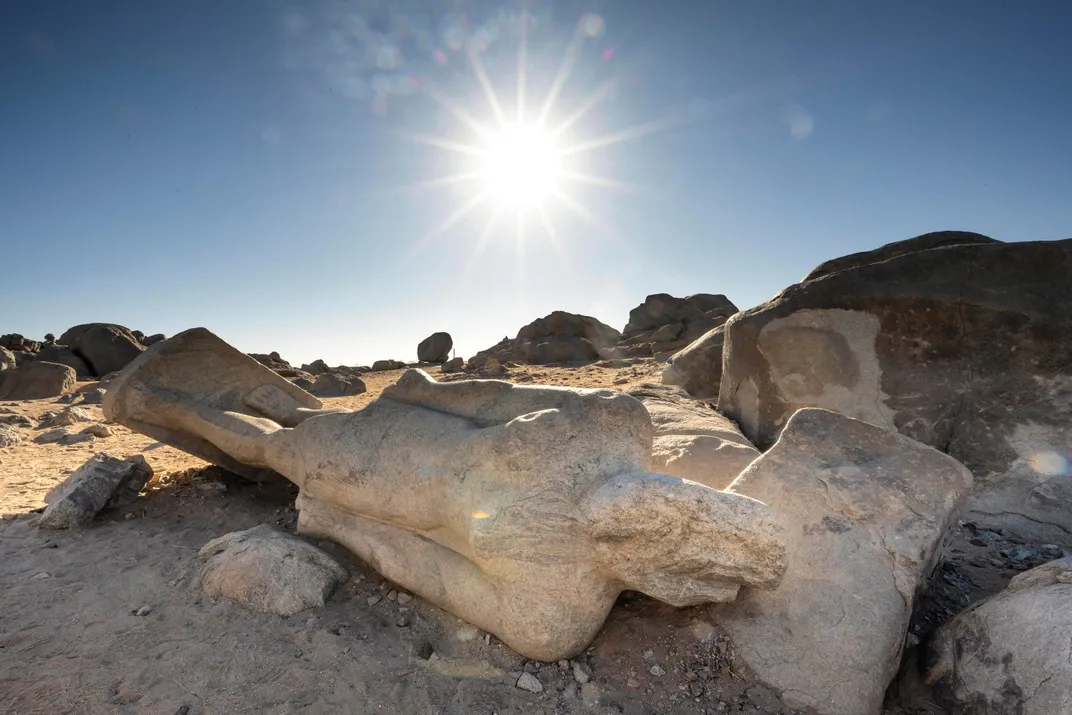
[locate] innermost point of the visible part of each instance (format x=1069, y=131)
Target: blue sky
x=254, y=167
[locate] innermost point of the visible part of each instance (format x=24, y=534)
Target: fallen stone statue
x=523, y=510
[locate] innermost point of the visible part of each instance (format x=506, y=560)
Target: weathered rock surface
x=435, y=348
x=200, y=364
x=106, y=348
x=866, y=512
x=453, y=365
x=965, y=348
x=9, y=436
x=64, y=356
x=665, y=324
x=936, y=239
x=152, y=339
x=316, y=367
x=272, y=360
x=553, y=518
x=36, y=380
x=692, y=440
x=1011, y=653
x=556, y=338
x=66, y=417
x=269, y=570
x=7, y=359
x=698, y=367
x=381, y=365
x=16, y=343
x=330, y=384
x=102, y=482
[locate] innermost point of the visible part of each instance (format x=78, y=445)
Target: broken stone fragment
x=269, y=570
x=102, y=482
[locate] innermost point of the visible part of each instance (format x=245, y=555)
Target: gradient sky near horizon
x=257, y=168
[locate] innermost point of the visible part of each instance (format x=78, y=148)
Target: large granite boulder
x=331, y=384
x=65, y=356
x=7, y=359
x=698, y=367
x=692, y=440
x=1011, y=653
x=435, y=348
x=664, y=324
x=105, y=347
x=37, y=380
x=102, y=482
x=867, y=511
x=936, y=239
x=560, y=337
x=269, y=570
x=965, y=348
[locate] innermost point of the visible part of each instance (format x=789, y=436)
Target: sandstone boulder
x=36, y=380
x=866, y=510
x=1011, y=653
x=665, y=324
x=66, y=417
x=698, y=367
x=268, y=570
x=692, y=440
x=331, y=384
x=102, y=482
x=7, y=359
x=64, y=356
x=965, y=348
x=435, y=348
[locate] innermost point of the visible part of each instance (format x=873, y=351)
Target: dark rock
x=435, y=348
x=64, y=356
x=316, y=367
x=455, y=365
x=152, y=339
x=665, y=324
x=272, y=360
x=333, y=385
x=557, y=338
x=936, y=239
x=16, y=343
x=102, y=482
x=36, y=380
x=965, y=348
x=105, y=348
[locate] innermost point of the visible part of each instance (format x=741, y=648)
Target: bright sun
x=520, y=166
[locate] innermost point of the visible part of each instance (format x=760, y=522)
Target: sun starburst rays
x=522, y=166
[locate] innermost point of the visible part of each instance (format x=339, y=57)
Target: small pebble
x=404, y=598
x=373, y=599
x=529, y=682
x=40, y=575
x=143, y=611
x=656, y=670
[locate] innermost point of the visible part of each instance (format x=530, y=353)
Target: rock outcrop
x=64, y=356
x=7, y=359
x=692, y=440
x=557, y=338
x=102, y=482
x=866, y=511
x=37, y=380
x=330, y=384
x=268, y=570
x=698, y=367
x=964, y=347
x=1011, y=653
x=104, y=347
x=435, y=348
x=663, y=324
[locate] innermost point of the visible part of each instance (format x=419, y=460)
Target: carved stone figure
x=524, y=510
